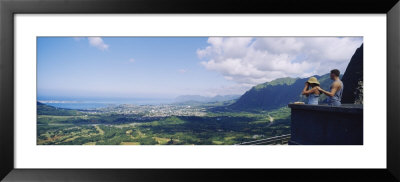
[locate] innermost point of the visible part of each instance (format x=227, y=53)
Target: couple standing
x=312, y=90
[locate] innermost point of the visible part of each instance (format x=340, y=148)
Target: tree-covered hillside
x=43, y=109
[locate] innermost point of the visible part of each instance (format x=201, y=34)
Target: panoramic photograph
x=199, y=90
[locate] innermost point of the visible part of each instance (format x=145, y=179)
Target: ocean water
x=94, y=103
x=79, y=105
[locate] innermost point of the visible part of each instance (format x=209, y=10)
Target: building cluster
x=156, y=110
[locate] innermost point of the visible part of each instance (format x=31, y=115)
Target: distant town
x=153, y=110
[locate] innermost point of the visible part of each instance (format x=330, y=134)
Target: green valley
x=195, y=125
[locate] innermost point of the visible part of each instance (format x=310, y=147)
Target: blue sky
x=166, y=67
x=128, y=67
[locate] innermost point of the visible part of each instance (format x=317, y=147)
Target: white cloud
x=251, y=61
x=98, y=43
x=132, y=60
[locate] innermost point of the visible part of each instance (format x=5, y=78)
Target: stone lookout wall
x=326, y=125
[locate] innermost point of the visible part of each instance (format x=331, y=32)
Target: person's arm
x=305, y=89
x=334, y=89
x=307, y=92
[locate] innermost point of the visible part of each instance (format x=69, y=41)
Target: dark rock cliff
x=353, y=79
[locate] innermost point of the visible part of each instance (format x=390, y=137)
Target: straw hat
x=313, y=80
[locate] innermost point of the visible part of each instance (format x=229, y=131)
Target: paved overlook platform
x=326, y=125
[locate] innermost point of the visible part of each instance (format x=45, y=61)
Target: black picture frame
x=8, y=8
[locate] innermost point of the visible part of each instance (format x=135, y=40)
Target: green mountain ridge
x=275, y=94
x=279, y=81
x=44, y=109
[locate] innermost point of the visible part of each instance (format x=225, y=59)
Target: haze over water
x=93, y=103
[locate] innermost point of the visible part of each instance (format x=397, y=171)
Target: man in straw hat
x=335, y=95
